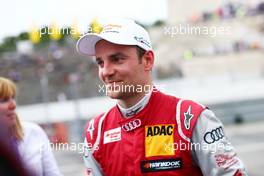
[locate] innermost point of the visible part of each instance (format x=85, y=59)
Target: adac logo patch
x=160, y=165
x=155, y=138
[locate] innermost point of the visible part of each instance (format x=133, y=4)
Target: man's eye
x=100, y=63
x=117, y=59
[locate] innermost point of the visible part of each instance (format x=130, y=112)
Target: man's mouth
x=113, y=82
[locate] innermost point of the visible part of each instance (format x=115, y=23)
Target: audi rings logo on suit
x=214, y=135
x=132, y=125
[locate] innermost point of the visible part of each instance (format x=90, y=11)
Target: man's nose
x=12, y=104
x=108, y=70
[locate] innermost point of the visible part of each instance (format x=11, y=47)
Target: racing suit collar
x=139, y=119
x=130, y=112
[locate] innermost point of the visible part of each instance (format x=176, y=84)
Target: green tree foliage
x=158, y=23
x=9, y=44
x=23, y=36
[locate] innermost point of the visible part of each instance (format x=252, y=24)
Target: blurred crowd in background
x=51, y=70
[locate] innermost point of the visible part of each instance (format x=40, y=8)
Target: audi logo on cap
x=131, y=125
x=214, y=135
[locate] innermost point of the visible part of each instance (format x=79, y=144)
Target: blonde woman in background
x=30, y=140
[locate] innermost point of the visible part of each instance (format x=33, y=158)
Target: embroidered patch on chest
x=156, y=139
x=161, y=165
x=112, y=135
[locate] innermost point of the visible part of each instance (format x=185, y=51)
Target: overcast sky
x=19, y=15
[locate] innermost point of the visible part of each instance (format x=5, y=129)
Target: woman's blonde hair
x=7, y=90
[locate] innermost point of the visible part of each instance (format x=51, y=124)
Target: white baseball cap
x=123, y=32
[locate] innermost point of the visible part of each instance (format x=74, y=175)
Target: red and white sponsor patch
x=112, y=135
x=225, y=160
x=88, y=172
x=238, y=173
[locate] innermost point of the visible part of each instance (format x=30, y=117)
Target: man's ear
x=148, y=60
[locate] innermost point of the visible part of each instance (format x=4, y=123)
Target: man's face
x=120, y=69
x=7, y=111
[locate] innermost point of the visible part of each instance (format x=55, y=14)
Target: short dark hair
x=140, y=52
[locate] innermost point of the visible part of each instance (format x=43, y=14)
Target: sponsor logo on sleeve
x=214, y=135
x=160, y=165
x=88, y=172
x=238, y=173
x=90, y=129
x=225, y=161
x=112, y=135
x=155, y=138
x=187, y=118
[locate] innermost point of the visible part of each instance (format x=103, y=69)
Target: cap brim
x=86, y=44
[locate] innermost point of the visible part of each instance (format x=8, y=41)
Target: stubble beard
x=120, y=93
